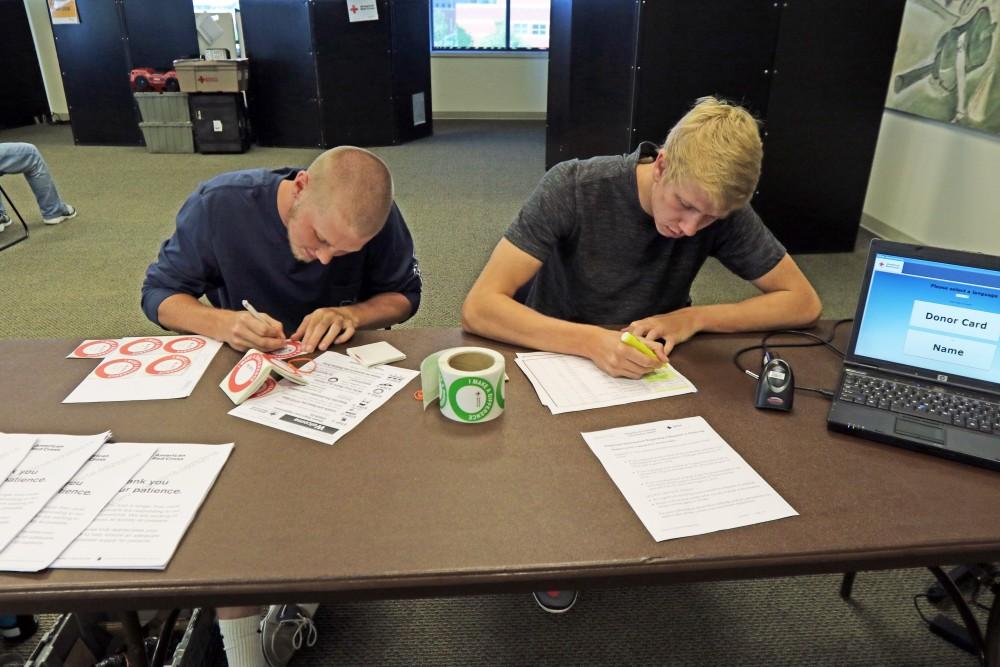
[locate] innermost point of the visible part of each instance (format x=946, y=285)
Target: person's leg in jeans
x=20, y=158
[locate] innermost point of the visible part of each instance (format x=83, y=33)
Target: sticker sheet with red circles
x=142, y=368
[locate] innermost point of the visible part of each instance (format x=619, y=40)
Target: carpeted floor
x=458, y=191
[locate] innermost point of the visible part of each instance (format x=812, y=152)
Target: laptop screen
x=932, y=315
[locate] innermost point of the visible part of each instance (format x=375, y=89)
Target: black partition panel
x=23, y=97
x=283, y=88
x=318, y=79
x=824, y=117
x=160, y=32
x=94, y=63
x=591, y=78
x=677, y=62
x=814, y=71
x=96, y=55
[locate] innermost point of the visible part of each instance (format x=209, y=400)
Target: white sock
x=241, y=640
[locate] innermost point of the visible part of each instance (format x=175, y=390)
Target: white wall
x=477, y=86
x=935, y=183
x=45, y=46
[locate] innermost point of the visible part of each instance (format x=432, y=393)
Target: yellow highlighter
x=632, y=341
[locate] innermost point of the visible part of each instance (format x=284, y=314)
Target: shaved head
x=356, y=183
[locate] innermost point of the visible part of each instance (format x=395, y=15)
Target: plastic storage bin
x=163, y=107
x=168, y=137
x=212, y=76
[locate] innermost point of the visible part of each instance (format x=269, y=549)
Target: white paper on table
x=52, y=461
x=13, y=448
x=681, y=478
x=566, y=383
x=142, y=526
x=147, y=368
x=75, y=506
x=340, y=394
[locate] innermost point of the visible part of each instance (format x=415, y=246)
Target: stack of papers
x=79, y=501
x=566, y=383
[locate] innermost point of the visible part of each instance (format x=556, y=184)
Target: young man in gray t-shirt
x=618, y=240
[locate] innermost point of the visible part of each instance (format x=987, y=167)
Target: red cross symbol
x=201, y=79
x=354, y=9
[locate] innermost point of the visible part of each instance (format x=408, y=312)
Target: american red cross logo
x=354, y=9
x=201, y=79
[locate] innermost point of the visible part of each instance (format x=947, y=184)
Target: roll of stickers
x=467, y=382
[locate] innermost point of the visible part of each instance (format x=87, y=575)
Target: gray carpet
x=458, y=191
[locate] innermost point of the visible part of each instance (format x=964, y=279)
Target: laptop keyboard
x=930, y=402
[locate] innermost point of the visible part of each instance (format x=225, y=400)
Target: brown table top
x=412, y=504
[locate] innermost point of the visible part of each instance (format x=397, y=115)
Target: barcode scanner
x=775, y=386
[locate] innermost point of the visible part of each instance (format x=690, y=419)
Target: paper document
x=340, y=394
x=683, y=479
x=566, y=383
x=74, y=507
x=144, y=523
x=13, y=449
x=146, y=368
x=52, y=462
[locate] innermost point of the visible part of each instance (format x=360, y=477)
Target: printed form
x=340, y=394
x=52, y=461
x=142, y=526
x=75, y=506
x=681, y=478
x=566, y=383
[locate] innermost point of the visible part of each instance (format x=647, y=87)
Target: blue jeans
x=17, y=158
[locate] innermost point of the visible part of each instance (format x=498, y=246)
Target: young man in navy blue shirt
x=320, y=252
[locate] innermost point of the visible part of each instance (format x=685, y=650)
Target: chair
x=6, y=243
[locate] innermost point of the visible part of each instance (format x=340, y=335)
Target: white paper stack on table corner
x=252, y=371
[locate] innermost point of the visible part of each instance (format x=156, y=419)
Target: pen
x=632, y=341
x=253, y=311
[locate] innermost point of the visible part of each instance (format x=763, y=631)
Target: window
x=490, y=25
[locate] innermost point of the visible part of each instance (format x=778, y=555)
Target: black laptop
x=923, y=368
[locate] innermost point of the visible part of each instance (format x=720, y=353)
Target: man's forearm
x=500, y=317
x=382, y=310
x=775, y=310
x=185, y=314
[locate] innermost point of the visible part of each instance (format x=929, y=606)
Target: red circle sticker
x=184, y=344
x=266, y=388
x=307, y=367
x=168, y=365
x=291, y=348
x=95, y=349
x=245, y=372
x=141, y=346
x=116, y=368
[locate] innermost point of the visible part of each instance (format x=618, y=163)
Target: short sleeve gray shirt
x=603, y=262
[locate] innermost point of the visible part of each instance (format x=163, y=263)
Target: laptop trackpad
x=918, y=430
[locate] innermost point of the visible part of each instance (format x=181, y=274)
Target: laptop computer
x=922, y=369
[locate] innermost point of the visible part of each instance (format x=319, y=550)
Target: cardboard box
x=212, y=76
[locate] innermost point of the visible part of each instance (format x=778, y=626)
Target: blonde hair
x=717, y=146
x=355, y=181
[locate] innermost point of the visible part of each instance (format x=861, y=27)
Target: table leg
x=971, y=624
x=847, y=585
x=993, y=632
x=134, y=647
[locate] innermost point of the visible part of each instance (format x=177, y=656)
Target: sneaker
x=24, y=627
x=283, y=631
x=555, y=602
x=5, y=221
x=70, y=212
